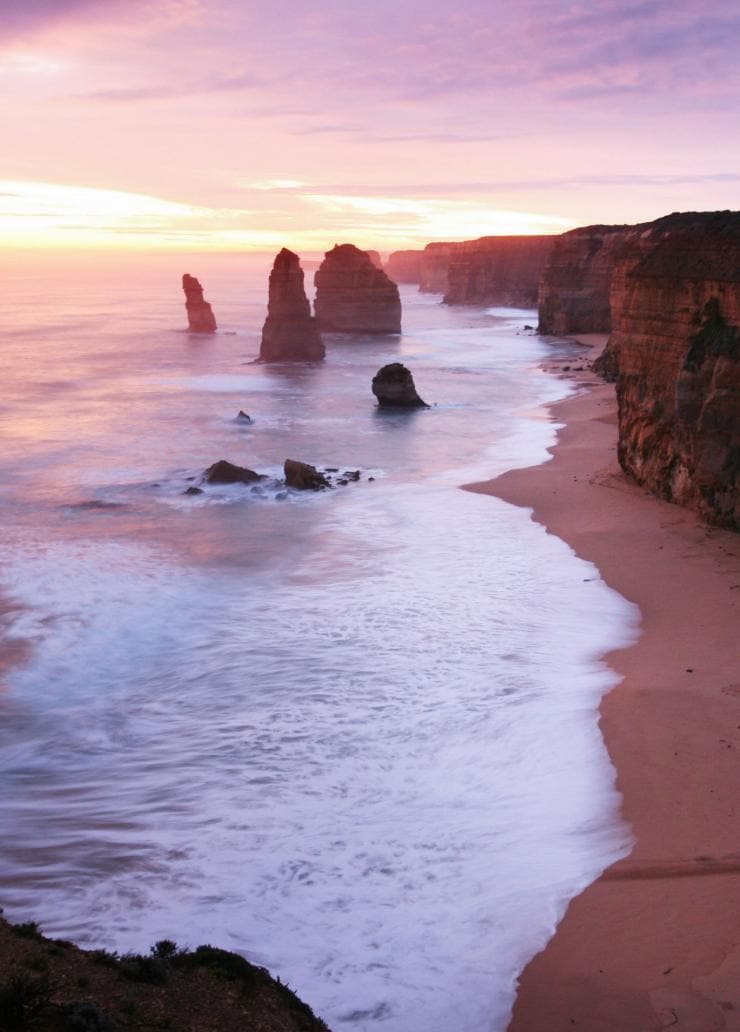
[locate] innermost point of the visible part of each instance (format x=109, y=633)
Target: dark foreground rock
x=50, y=985
x=290, y=333
x=223, y=472
x=676, y=341
x=354, y=296
x=394, y=387
x=304, y=477
x=200, y=314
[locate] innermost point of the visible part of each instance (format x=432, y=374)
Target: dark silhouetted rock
x=244, y=418
x=675, y=301
x=304, y=477
x=200, y=314
x=223, y=472
x=193, y=490
x=290, y=333
x=353, y=296
x=393, y=386
x=502, y=270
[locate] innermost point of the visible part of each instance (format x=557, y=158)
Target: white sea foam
x=354, y=738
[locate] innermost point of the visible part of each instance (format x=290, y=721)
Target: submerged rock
x=223, y=472
x=290, y=333
x=353, y=295
x=304, y=477
x=200, y=314
x=394, y=387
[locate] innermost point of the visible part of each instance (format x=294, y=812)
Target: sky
x=243, y=124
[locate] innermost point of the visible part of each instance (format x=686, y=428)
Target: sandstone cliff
x=435, y=264
x=200, y=314
x=502, y=270
x=676, y=335
x=404, y=266
x=290, y=333
x=353, y=296
x=575, y=283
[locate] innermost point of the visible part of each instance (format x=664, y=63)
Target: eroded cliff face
x=353, y=295
x=404, y=266
x=676, y=337
x=200, y=314
x=290, y=333
x=574, y=288
x=497, y=271
x=435, y=265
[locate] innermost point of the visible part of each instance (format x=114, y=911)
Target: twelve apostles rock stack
x=354, y=296
x=290, y=333
x=675, y=301
x=200, y=314
x=394, y=387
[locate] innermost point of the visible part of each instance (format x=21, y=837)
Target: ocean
x=351, y=735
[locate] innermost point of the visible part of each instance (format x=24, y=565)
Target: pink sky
x=235, y=125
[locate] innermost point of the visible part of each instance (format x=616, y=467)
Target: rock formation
x=224, y=472
x=435, y=264
x=394, y=387
x=353, y=296
x=375, y=258
x=290, y=333
x=304, y=477
x=575, y=283
x=404, y=266
x=501, y=270
x=200, y=314
x=675, y=300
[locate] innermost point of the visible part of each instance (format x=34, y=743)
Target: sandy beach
x=655, y=942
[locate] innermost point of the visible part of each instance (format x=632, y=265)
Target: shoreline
x=654, y=942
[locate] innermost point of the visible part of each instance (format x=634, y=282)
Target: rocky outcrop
x=375, y=258
x=404, y=266
x=224, y=472
x=435, y=265
x=353, y=296
x=575, y=283
x=676, y=336
x=501, y=270
x=200, y=314
x=394, y=387
x=290, y=333
x=304, y=477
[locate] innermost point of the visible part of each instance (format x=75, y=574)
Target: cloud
x=139, y=94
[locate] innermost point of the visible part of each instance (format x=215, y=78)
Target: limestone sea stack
x=675, y=301
x=290, y=333
x=394, y=387
x=353, y=296
x=200, y=314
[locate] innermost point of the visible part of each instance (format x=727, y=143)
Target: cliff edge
x=501, y=270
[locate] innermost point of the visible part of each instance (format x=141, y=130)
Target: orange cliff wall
x=675, y=300
x=498, y=270
x=574, y=289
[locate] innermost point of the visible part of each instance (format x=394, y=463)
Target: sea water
x=351, y=735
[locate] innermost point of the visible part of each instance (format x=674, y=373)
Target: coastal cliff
x=573, y=294
x=502, y=270
x=404, y=266
x=200, y=314
x=353, y=295
x=675, y=301
x=435, y=265
x=290, y=333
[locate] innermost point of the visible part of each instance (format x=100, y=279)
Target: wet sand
x=655, y=942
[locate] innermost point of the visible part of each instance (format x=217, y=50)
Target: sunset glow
x=222, y=127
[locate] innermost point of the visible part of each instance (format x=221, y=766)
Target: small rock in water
x=243, y=417
x=304, y=477
x=281, y=496
x=193, y=491
x=351, y=474
x=223, y=472
x=393, y=386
